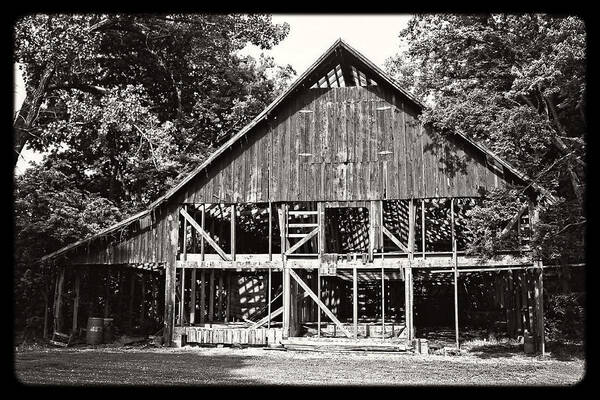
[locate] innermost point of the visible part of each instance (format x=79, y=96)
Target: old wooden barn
x=320, y=219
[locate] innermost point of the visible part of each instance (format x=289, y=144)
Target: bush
x=564, y=316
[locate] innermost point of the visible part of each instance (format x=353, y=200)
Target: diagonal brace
x=319, y=303
x=394, y=239
x=302, y=241
x=205, y=235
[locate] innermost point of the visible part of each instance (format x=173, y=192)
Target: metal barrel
x=95, y=330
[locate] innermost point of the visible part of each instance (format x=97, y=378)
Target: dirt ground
x=482, y=365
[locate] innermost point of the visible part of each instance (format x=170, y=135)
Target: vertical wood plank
x=202, y=295
x=211, y=296
x=75, y=300
x=355, y=301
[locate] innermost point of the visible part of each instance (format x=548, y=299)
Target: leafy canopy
x=515, y=83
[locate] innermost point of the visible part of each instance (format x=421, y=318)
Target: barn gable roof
x=340, y=64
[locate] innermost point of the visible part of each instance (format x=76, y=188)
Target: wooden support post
x=408, y=278
x=169, y=308
x=154, y=280
x=220, y=296
x=107, y=293
x=423, y=227
x=270, y=239
x=510, y=310
x=228, y=295
x=193, y=298
x=355, y=301
x=455, y=262
x=202, y=225
x=131, y=297
x=202, y=274
x=182, y=273
x=269, y=300
x=382, y=303
x=539, y=310
x=142, y=300
x=76, y=300
x=283, y=215
x=538, y=283
x=46, y=305
x=524, y=301
x=202, y=295
x=58, y=298
x=211, y=296
x=232, y=232
x=319, y=297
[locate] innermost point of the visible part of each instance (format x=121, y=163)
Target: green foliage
x=515, y=83
x=123, y=107
x=565, y=317
x=487, y=220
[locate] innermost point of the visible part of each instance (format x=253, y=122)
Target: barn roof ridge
x=339, y=43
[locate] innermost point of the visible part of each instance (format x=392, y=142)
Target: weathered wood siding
x=142, y=242
x=350, y=143
x=338, y=144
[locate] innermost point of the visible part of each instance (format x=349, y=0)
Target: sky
x=374, y=35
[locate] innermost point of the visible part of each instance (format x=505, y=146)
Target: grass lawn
x=481, y=365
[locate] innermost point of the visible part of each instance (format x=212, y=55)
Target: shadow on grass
x=72, y=367
x=566, y=351
x=496, y=350
x=554, y=350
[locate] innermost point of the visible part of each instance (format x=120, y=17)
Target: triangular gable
x=340, y=65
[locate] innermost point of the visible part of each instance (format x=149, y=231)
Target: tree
x=187, y=65
x=517, y=84
x=124, y=106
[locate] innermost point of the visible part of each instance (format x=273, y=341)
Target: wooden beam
x=383, y=304
x=76, y=300
x=423, y=231
x=319, y=297
x=58, y=298
x=220, y=295
x=319, y=302
x=202, y=295
x=539, y=303
x=408, y=312
x=169, y=309
x=270, y=233
x=193, y=298
x=227, y=295
x=283, y=217
x=266, y=319
x=355, y=301
x=232, y=232
x=269, y=316
x=205, y=235
x=182, y=273
x=211, y=296
x=132, y=275
x=143, y=299
x=455, y=258
x=408, y=276
x=202, y=222
x=394, y=239
x=321, y=223
x=304, y=239
x=514, y=220
x=107, y=293
x=274, y=314
x=411, y=228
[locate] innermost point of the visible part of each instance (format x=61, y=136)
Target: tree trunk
x=23, y=123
